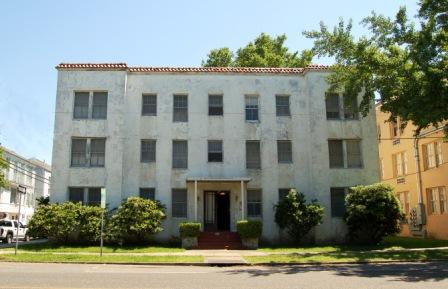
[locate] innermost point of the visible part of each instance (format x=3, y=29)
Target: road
x=400, y=275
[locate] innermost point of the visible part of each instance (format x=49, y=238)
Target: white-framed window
x=149, y=104
x=147, y=150
x=253, y=157
x=251, y=107
x=180, y=108
x=400, y=162
x=282, y=105
x=179, y=203
x=254, y=203
x=284, y=151
x=432, y=153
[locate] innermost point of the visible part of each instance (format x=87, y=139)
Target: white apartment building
x=32, y=173
x=214, y=145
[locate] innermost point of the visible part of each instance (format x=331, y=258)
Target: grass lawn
x=387, y=244
x=76, y=258
x=52, y=248
x=352, y=256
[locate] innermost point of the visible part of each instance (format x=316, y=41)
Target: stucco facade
x=123, y=173
x=415, y=180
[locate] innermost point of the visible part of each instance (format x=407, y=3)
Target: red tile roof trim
x=123, y=66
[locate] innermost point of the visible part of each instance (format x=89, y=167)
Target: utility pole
x=103, y=206
x=22, y=191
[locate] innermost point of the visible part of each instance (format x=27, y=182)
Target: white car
x=8, y=231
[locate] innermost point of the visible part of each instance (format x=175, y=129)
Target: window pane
x=149, y=104
x=253, y=160
x=81, y=109
x=94, y=197
x=76, y=195
x=147, y=193
x=332, y=106
x=13, y=196
x=350, y=108
x=284, y=151
x=179, y=203
x=251, y=108
x=180, y=108
x=79, y=152
x=215, y=106
x=337, y=202
x=148, y=151
x=442, y=200
x=99, y=105
x=336, y=153
x=254, y=203
x=180, y=154
x=282, y=105
x=354, y=159
x=97, y=152
x=215, y=151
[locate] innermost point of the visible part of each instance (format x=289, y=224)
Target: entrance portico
x=218, y=202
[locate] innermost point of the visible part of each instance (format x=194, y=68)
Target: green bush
x=373, y=212
x=66, y=222
x=296, y=216
x=249, y=228
x=189, y=229
x=135, y=221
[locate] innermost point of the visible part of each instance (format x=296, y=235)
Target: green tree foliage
x=296, y=216
x=42, y=201
x=264, y=51
x=135, y=221
x=407, y=66
x=3, y=167
x=373, y=212
x=66, y=223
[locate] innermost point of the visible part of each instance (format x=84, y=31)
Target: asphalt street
x=401, y=275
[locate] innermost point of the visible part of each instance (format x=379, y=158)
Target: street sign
x=22, y=189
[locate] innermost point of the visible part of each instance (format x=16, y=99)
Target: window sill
x=87, y=167
x=253, y=121
x=143, y=115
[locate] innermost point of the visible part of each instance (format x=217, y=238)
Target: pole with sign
x=22, y=191
x=103, y=206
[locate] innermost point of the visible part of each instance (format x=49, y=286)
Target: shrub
x=66, y=222
x=135, y=221
x=373, y=212
x=296, y=216
x=189, y=229
x=249, y=229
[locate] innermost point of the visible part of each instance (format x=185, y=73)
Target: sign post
x=22, y=191
x=103, y=206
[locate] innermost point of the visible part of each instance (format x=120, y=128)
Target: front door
x=217, y=211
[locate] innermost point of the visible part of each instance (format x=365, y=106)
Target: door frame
x=213, y=227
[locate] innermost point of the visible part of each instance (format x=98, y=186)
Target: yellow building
x=419, y=176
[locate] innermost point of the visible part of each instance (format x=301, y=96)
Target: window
x=97, y=152
x=442, y=200
x=94, y=196
x=400, y=162
x=432, y=194
x=99, y=105
x=251, y=107
x=282, y=105
x=332, y=106
x=148, y=193
x=404, y=201
x=81, y=109
x=253, y=160
x=350, y=107
x=215, y=151
x=284, y=151
x=180, y=108
x=180, y=154
x=215, y=106
x=76, y=195
x=148, y=151
x=79, y=152
x=149, y=104
x=354, y=159
x=432, y=154
x=336, y=153
x=80, y=155
x=282, y=193
x=338, y=202
x=179, y=203
x=254, y=203
x=394, y=131
x=13, y=196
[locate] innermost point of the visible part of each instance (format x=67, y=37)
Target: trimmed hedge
x=189, y=229
x=249, y=228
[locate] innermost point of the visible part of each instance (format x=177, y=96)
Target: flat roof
x=206, y=179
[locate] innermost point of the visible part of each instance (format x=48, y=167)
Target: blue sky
x=37, y=35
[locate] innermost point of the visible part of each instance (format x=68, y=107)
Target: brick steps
x=219, y=240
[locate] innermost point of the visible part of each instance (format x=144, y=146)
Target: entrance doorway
x=217, y=211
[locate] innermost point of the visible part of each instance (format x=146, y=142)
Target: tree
x=3, y=167
x=296, y=216
x=42, y=201
x=405, y=65
x=373, y=212
x=264, y=51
